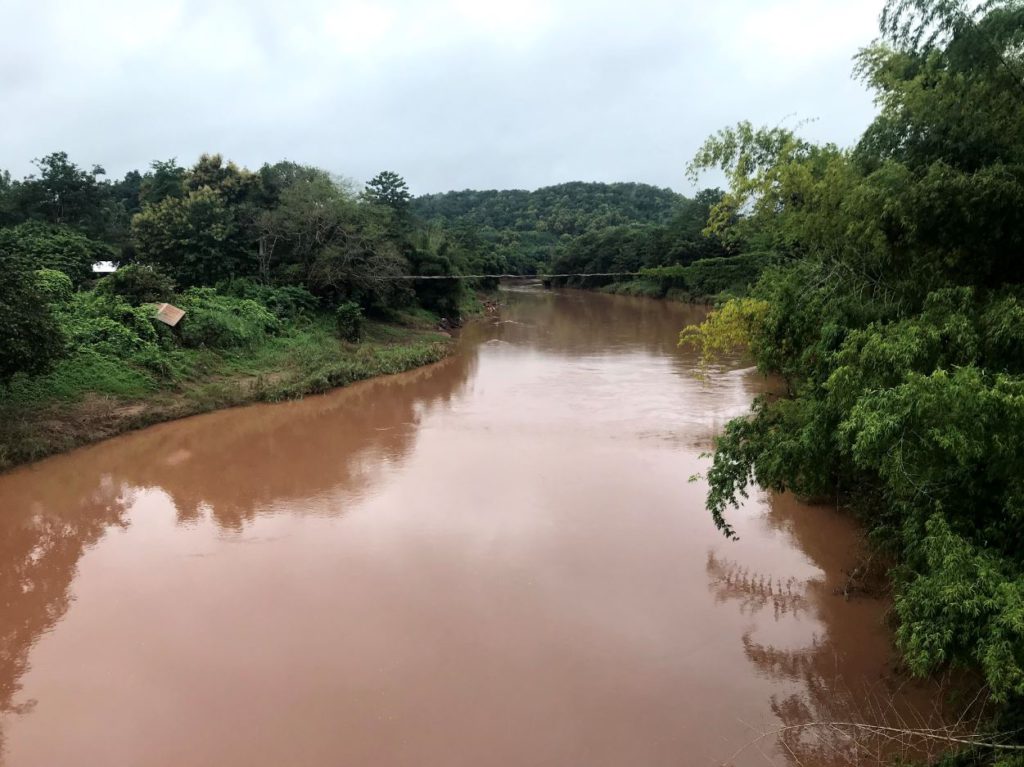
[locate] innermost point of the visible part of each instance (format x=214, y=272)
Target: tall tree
x=8, y=202
x=165, y=179
x=63, y=193
x=196, y=239
x=389, y=189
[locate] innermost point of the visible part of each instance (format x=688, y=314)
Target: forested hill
x=580, y=226
x=572, y=208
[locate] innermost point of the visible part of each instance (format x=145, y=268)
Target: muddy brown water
x=496, y=560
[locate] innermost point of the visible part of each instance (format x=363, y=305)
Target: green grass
x=644, y=288
x=87, y=370
x=95, y=394
x=414, y=317
x=647, y=288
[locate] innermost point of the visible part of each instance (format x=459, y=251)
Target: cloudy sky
x=452, y=94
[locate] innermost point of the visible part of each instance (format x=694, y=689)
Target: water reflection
x=307, y=456
x=731, y=581
x=843, y=670
x=40, y=544
x=236, y=464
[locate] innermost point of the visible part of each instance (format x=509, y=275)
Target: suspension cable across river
x=505, y=276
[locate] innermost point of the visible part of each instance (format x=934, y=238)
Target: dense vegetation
x=651, y=259
x=288, y=257
x=282, y=272
x=582, y=227
x=572, y=208
x=895, y=315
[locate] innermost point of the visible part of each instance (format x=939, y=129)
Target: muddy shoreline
x=30, y=434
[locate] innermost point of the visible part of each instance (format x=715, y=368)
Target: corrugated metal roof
x=169, y=314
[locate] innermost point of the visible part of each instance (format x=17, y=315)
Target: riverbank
x=706, y=281
x=66, y=409
x=642, y=288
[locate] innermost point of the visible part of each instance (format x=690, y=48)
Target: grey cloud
x=442, y=93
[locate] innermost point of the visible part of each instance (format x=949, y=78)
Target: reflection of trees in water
x=824, y=696
x=842, y=674
x=829, y=723
x=235, y=463
x=40, y=546
x=754, y=591
x=807, y=663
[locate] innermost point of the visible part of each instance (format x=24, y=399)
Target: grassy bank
x=645, y=288
x=90, y=396
x=709, y=280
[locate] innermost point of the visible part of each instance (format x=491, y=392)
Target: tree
x=63, y=193
x=9, y=213
x=528, y=226
x=431, y=256
x=201, y=229
x=355, y=257
x=312, y=230
x=302, y=206
x=195, y=239
x=389, y=189
x=42, y=246
x=274, y=179
x=896, y=319
x=235, y=185
x=165, y=179
x=30, y=336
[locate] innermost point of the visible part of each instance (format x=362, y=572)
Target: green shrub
x=41, y=246
x=711, y=276
x=107, y=325
x=223, y=322
x=85, y=370
x=106, y=335
x=643, y=288
x=54, y=286
x=349, y=318
x=30, y=335
x=138, y=284
x=288, y=302
x=137, y=319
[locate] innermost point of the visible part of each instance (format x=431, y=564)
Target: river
x=496, y=560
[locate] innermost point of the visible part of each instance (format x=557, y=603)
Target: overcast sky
x=452, y=94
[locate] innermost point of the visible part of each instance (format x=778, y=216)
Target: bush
x=109, y=326
x=287, y=302
x=138, y=319
x=138, y=284
x=223, y=322
x=41, y=246
x=106, y=335
x=30, y=336
x=711, y=276
x=643, y=288
x=349, y=317
x=54, y=286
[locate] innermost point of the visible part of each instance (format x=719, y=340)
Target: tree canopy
x=895, y=316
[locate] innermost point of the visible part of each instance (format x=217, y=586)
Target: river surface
x=496, y=560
